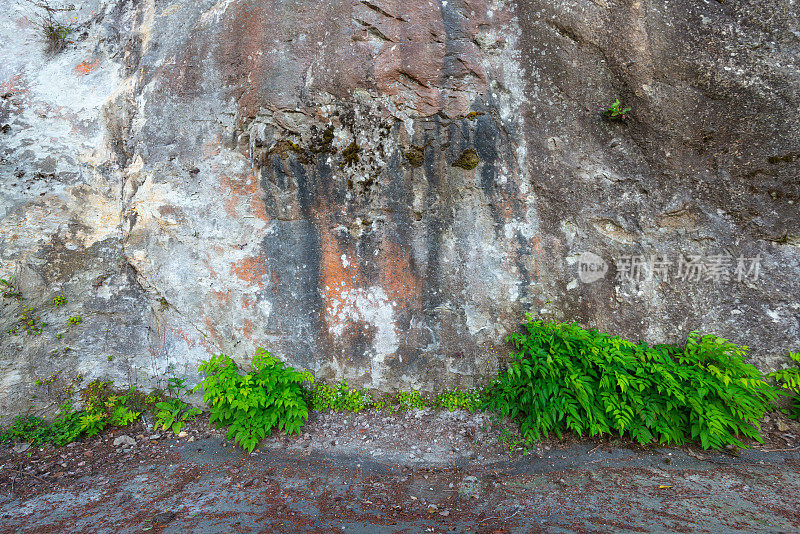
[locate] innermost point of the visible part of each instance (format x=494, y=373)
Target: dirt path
x=201, y=483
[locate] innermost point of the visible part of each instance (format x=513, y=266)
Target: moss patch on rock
x=350, y=155
x=415, y=156
x=467, y=160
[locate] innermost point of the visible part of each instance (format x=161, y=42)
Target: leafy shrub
x=103, y=407
x=66, y=427
x=789, y=380
x=568, y=378
x=339, y=398
x=251, y=405
x=173, y=413
x=26, y=428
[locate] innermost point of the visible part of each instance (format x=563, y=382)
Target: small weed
x=458, y=400
x=616, y=112
x=59, y=300
x=102, y=407
x=404, y=401
x=789, y=382
x=9, y=290
x=173, y=413
x=509, y=439
x=75, y=320
x=339, y=398
x=54, y=32
x=30, y=323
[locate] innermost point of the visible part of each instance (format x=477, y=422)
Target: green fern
x=566, y=378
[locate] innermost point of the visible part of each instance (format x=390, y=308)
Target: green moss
x=323, y=143
x=415, y=156
x=350, y=155
x=467, y=160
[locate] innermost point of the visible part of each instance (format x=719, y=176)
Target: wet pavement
x=209, y=486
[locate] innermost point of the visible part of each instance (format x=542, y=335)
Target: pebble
x=182, y=434
x=163, y=517
x=124, y=440
x=21, y=447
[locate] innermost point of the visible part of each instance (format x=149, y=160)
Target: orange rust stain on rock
x=211, y=328
x=192, y=339
x=243, y=187
x=335, y=278
x=257, y=206
x=84, y=67
x=397, y=277
x=506, y=209
x=247, y=329
x=223, y=297
x=251, y=269
x=247, y=302
x=211, y=148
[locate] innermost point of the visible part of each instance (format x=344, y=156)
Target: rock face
x=379, y=190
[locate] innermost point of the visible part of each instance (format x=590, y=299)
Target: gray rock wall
x=380, y=190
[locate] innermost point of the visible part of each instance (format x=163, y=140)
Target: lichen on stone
x=467, y=160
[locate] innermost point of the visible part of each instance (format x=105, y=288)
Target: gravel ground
x=420, y=471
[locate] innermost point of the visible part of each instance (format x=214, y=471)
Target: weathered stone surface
x=380, y=190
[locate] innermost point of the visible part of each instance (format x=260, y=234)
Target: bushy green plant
x=789, y=381
x=65, y=428
x=26, y=428
x=103, y=407
x=569, y=378
x=251, y=405
x=59, y=300
x=339, y=398
x=173, y=413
